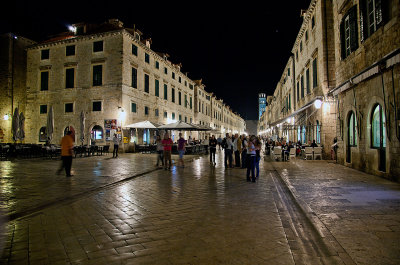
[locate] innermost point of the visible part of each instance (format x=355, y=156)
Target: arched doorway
x=42, y=134
x=378, y=135
x=351, y=135
x=96, y=134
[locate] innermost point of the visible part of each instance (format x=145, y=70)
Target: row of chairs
x=312, y=153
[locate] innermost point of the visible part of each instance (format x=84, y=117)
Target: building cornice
x=306, y=17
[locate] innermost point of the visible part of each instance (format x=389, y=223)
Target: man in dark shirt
x=213, y=148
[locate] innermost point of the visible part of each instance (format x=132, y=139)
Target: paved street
x=125, y=211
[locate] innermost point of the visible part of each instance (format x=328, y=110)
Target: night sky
x=239, y=50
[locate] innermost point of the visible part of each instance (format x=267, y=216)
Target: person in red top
x=67, y=147
x=167, y=143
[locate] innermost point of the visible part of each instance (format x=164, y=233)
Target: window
x=146, y=83
x=349, y=33
x=147, y=58
x=69, y=77
x=180, y=117
x=134, y=77
x=180, y=98
x=308, y=80
x=352, y=127
x=165, y=114
x=315, y=73
x=133, y=107
x=165, y=70
x=44, y=81
x=173, y=115
x=306, y=37
x=373, y=14
x=69, y=107
x=96, y=106
x=303, y=134
x=96, y=133
x=288, y=71
x=97, y=75
x=173, y=94
x=190, y=102
x=301, y=46
x=43, y=109
x=165, y=92
x=45, y=54
x=156, y=112
x=98, y=46
x=157, y=65
x=70, y=50
x=146, y=110
x=378, y=127
x=42, y=134
x=186, y=102
x=313, y=22
x=302, y=86
x=157, y=88
x=180, y=80
x=173, y=75
x=185, y=119
x=298, y=91
x=134, y=49
x=297, y=55
x=318, y=132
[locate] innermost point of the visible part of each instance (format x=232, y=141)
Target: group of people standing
x=164, y=150
x=239, y=151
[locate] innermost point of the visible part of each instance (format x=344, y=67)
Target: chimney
x=148, y=43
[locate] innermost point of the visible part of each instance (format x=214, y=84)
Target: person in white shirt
x=251, y=159
x=228, y=151
x=206, y=143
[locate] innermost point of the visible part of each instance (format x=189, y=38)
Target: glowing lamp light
x=6, y=117
x=72, y=28
x=318, y=104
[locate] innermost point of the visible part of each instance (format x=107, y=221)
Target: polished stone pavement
x=125, y=211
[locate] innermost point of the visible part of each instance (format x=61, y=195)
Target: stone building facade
x=12, y=80
x=111, y=75
x=368, y=78
x=307, y=78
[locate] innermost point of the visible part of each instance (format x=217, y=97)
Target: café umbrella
x=50, y=124
x=15, y=125
x=82, y=121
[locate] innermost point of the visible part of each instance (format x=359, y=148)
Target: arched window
x=42, y=134
x=298, y=134
x=352, y=127
x=378, y=129
x=318, y=133
x=97, y=133
x=303, y=134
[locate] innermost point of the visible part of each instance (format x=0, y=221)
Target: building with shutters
x=110, y=74
x=301, y=109
x=368, y=85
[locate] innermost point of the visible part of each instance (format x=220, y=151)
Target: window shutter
x=342, y=39
x=353, y=28
x=363, y=21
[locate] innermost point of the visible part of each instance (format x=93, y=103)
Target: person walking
x=67, y=147
x=167, y=144
x=160, y=151
x=219, y=141
x=251, y=160
x=244, y=151
x=181, y=149
x=228, y=150
x=116, y=145
x=257, y=145
x=236, y=147
x=213, y=149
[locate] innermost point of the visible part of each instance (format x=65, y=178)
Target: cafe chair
x=292, y=153
x=308, y=153
x=317, y=153
x=277, y=153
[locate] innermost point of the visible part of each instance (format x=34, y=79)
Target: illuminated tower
x=262, y=103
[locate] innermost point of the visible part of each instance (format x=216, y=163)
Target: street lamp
x=6, y=117
x=318, y=104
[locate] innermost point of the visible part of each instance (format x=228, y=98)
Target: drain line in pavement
x=309, y=240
